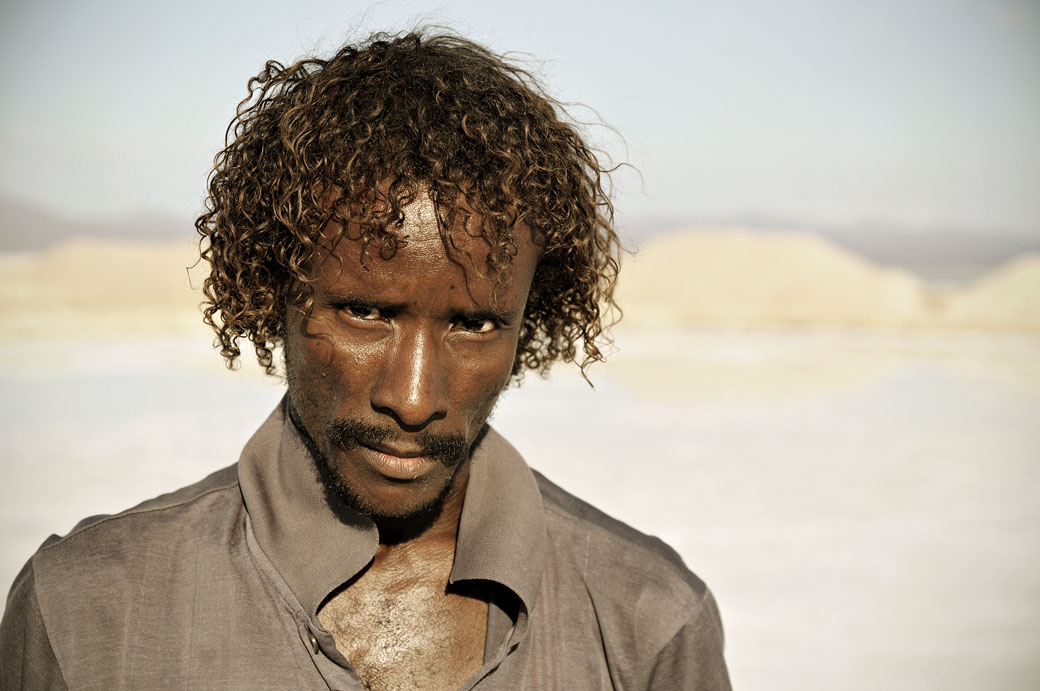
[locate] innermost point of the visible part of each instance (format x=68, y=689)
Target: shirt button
x=314, y=642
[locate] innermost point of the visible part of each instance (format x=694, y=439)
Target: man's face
x=397, y=367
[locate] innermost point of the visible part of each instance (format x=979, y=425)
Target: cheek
x=328, y=367
x=312, y=369
x=337, y=372
x=481, y=379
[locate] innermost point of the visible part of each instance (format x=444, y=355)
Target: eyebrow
x=351, y=299
x=500, y=315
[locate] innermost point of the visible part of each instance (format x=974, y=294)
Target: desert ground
x=847, y=454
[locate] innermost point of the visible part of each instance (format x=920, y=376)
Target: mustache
x=447, y=449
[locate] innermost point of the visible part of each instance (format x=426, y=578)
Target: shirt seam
x=43, y=622
x=135, y=512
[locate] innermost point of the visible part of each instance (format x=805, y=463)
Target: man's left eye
x=364, y=312
x=476, y=324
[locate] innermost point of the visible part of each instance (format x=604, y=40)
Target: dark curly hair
x=353, y=139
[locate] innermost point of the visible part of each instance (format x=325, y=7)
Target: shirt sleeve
x=27, y=660
x=693, y=658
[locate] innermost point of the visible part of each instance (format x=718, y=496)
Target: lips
x=397, y=465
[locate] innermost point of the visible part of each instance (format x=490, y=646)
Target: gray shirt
x=217, y=586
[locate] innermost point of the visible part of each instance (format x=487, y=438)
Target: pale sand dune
x=739, y=278
x=736, y=277
x=1007, y=298
x=100, y=288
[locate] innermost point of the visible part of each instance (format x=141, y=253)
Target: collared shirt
x=217, y=586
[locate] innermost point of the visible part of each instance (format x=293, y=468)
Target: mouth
x=397, y=464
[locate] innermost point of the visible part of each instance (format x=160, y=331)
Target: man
x=416, y=224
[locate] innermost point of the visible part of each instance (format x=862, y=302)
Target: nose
x=411, y=385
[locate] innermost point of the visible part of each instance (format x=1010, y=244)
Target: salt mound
x=99, y=287
x=1008, y=298
x=735, y=277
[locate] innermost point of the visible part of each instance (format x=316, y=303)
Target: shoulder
x=141, y=543
x=654, y=615
x=170, y=513
x=608, y=541
x=76, y=591
x=636, y=575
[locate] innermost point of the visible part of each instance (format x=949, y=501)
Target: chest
x=407, y=632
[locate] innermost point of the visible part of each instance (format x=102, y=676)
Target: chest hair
x=402, y=627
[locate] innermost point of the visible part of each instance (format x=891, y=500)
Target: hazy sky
x=915, y=114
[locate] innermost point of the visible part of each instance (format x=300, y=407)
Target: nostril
x=412, y=404
x=409, y=422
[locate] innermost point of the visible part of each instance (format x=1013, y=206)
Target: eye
x=363, y=312
x=476, y=324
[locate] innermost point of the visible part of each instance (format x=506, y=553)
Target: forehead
x=424, y=252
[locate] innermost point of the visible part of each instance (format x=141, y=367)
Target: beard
x=394, y=527
x=447, y=449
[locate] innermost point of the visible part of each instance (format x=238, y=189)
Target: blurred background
x=826, y=389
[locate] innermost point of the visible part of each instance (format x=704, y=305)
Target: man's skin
x=421, y=343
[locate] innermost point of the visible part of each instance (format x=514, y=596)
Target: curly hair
x=354, y=138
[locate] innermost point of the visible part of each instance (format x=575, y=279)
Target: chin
x=401, y=504
x=404, y=512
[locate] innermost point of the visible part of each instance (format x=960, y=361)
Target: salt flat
x=862, y=502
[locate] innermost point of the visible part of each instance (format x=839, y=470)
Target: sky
x=915, y=115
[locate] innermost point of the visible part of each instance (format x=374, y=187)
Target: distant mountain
x=23, y=227
x=956, y=255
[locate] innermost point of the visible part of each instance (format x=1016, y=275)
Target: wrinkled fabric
x=217, y=586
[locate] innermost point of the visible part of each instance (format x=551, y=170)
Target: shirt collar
x=501, y=532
